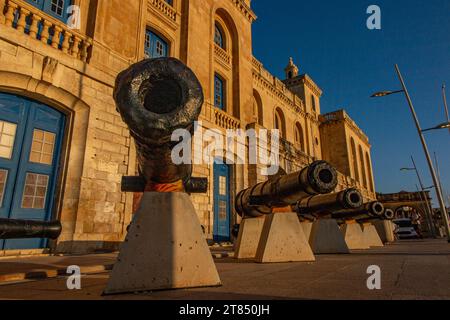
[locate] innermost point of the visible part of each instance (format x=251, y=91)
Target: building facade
x=64, y=147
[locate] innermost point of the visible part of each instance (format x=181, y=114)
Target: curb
x=41, y=274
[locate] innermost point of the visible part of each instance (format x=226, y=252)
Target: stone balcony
x=219, y=118
x=222, y=56
x=38, y=25
x=166, y=9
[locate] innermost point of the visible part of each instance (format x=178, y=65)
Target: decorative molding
x=245, y=10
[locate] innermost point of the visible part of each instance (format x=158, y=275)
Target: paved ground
x=410, y=270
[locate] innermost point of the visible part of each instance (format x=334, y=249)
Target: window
x=219, y=93
x=170, y=2
x=35, y=192
x=7, y=137
x=354, y=160
x=56, y=8
x=313, y=102
x=42, y=147
x=155, y=46
x=279, y=123
x=218, y=36
x=363, y=167
x=299, y=141
x=369, y=172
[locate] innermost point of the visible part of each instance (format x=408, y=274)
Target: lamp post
x=445, y=105
x=424, y=145
x=429, y=209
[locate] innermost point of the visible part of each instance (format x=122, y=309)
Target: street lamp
x=445, y=125
x=424, y=145
x=429, y=209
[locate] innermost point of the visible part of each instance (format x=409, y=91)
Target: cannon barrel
x=388, y=214
x=323, y=204
x=286, y=190
x=21, y=229
x=369, y=210
x=155, y=97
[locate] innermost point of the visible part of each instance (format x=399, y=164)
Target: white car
x=404, y=229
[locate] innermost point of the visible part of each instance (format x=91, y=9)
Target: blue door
x=221, y=202
x=55, y=8
x=155, y=46
x=30, y=142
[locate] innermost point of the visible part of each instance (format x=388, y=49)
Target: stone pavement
x=418, y=269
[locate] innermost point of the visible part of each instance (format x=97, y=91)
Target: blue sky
x=329, y=40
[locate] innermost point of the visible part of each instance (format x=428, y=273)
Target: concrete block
x=385, y=230
x=283, y=240
x=164, y=248
x=353, y=236
x=248, y=238
x=307, y=226
x=371, y=236
x=327, y=238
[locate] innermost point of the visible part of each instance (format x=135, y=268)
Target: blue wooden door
x=221, y=202
x=155, y=46
x=30, y=142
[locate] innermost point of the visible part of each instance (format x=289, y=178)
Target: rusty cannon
x=286, y=190
x=23, y=229
x=368, y=211
x=155, y=97
x=160, y=100
x=322, y=205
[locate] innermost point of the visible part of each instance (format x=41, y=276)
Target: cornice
x=245, y=10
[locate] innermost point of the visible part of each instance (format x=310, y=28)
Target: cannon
x=369, y=210
x=22, y=229
x=322, y=205
x=155, y=97
x=286, y=190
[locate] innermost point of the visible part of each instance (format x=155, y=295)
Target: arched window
x=280, y=123
x=363, y=167
x=258, y=108
x=354, y=160
x=219, y=92
x=155, y=46
x=313, y=102
x=219, y=37
x=369, y=173
x=299, y=140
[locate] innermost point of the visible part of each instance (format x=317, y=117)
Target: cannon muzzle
x=155, y=97
x=21, y=229
x=369, y=210
x=324, y=204
x=286, y=190
x=388, y=214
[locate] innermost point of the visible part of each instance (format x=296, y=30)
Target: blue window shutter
x=219, y=92
x=55, y=8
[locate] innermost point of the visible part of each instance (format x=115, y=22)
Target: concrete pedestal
x=248, y=238
x=283, y=240
x=385, y=230
x=326, y=237
x=307, y=227
x=164, y=249
x=353, y=236
x=371, y=236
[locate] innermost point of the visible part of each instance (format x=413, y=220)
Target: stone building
x=64, y=148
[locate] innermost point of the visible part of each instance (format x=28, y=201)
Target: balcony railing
x=165, y=8
x=33, y=22
x=220, y=118
x=222, y=55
